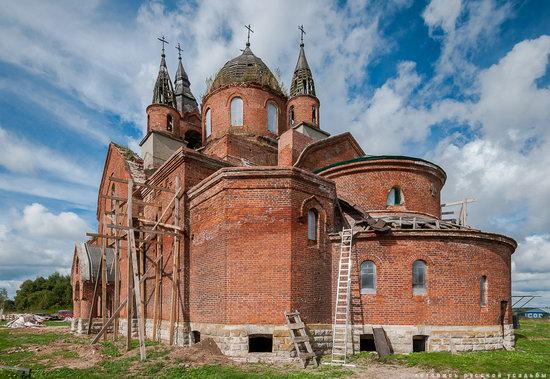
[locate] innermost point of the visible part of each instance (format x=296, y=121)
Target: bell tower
x=303, y=105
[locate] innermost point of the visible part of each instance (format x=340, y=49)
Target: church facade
x=264, y=193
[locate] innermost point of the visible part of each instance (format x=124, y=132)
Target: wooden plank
x=129, y=273
x=94, y=305
x=162, y=232
x=168, y=226
x=150, y=186
x=103, y=286
x=117, y=275
x=381, y=342
x=136, y=201
x=142, y=253
x=158, y=273
x=175, y=267
x=137, y=289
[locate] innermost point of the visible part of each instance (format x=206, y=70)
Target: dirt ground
x=77, y=353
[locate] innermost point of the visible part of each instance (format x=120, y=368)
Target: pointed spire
x=302, y=80
x=185, y=101
x=163, y=92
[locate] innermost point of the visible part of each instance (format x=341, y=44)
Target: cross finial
x=179, y=49
x=302, y=31
x=163, y=40
x=249, y=31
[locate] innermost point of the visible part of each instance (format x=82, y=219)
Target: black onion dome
x=246, y=68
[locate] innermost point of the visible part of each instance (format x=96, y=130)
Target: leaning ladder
x=297, y=330
x=340, y=327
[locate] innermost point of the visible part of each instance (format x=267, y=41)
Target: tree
x=3, y=297
x=46, y=295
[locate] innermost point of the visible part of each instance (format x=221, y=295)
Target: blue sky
x=462, y=83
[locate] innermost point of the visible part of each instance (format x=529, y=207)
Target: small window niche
x=169, y=123
x=483, y=291
x=312, y=224
x=366, y=342
x=196, y=335
x=260, y=343
x=395, y=197
x=419, y=343
x=419, y=278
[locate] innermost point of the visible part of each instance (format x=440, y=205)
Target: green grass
x=531, y=355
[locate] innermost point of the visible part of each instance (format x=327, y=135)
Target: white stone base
x=233, y=339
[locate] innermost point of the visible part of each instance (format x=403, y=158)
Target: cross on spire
x=302, y=32
x=163, y=40
x=249, y=31
x=179, y=49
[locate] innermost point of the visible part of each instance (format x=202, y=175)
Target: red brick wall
x=455, y=262
x=232, y=147
x=255, y=101
x=291, y=144
x=303, y=109
x=367, y=184
x=334, y=149
x=157, y=119
x=247, y=261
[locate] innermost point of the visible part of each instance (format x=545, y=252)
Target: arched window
x=312, y=224
x=291, y=116
x=304, y=85
x=483, y=291
x=236, y=111
x=419, y=277
x=272, y=117
x=368, y=277
x=169, y=123
x=314, y=114
x=395, y=197
x=208, y=123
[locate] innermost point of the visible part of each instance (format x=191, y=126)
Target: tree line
x=40, y=295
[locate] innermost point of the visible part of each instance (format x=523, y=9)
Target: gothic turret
x=303, y=105
x=185, y=101
x=163, y=92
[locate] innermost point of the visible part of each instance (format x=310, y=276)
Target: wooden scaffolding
x=126, y=222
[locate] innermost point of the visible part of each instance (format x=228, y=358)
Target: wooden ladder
x=340, y=327
x=300, y=338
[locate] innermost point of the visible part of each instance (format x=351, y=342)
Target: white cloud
x=21, y=156
x=37, y=221
x=36, y=242
x=442, y=13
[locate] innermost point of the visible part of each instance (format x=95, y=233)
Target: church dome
x=246, y=68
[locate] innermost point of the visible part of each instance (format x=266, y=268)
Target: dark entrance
x=366, y=342
x=260, y=343
x=419, y=343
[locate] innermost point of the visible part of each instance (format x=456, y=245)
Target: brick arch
x=233, y=94
x=312, y=202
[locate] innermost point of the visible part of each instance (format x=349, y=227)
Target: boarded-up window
x=483, y=291
x=272, y=117
x=237, y=111
x=368, y=277
x=312, y=224
x=419, y=278
x=208, y=123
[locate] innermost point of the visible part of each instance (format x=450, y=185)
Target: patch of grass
x=532, y=355
x=110, y=349
x=60, y=324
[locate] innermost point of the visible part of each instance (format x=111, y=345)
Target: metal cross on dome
x=302, y=31
x=163, y=40
x=179, y=49
x=249, y=31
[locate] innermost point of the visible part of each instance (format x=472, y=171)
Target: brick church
x=235, y=211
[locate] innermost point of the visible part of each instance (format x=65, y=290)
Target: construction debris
x=26, y=321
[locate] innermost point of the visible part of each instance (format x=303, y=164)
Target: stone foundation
x=233, y=340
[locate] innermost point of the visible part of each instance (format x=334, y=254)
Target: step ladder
x=300, y=338
x=340, y=327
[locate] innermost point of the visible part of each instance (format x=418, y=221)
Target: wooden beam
x=175, y=270
x=92, y=309
x=117, y=275
x=129, y=274
x=137, y=201
x=121, y=227
x=169, y=226
x=135, y=265
x=158, y=275
x=104, y=286
x=150, y=186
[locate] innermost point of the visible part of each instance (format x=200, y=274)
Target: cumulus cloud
x=35, y=241
x=442, y=13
